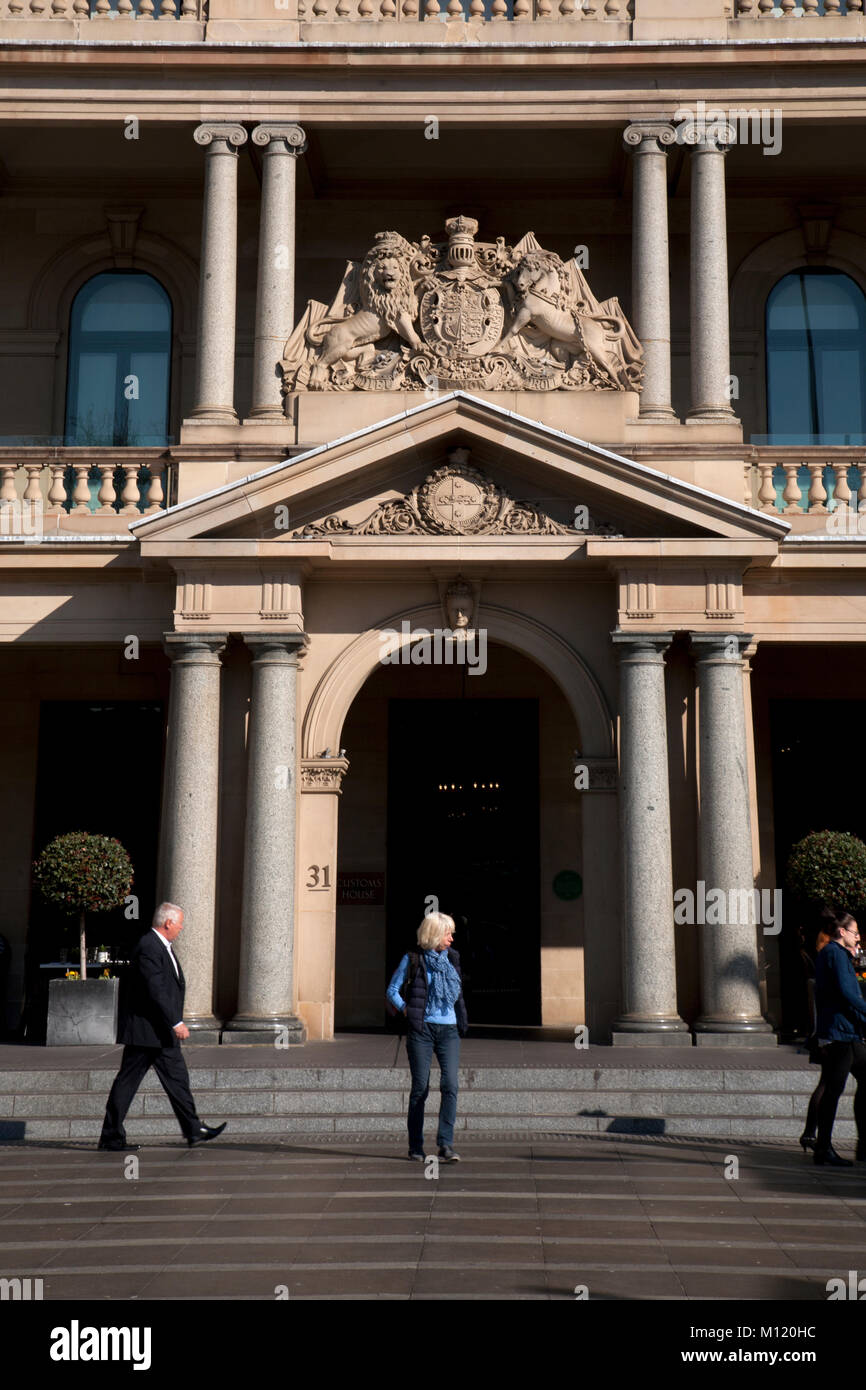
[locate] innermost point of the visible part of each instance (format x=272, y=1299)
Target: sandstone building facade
x=430, y=447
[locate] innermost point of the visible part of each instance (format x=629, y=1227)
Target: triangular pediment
x=458, y=466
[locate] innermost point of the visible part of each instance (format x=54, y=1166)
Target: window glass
x=119, y=361
x=816, y=359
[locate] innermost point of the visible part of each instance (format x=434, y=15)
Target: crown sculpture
x=461, y=313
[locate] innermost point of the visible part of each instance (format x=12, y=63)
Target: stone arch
x=751, y=284
x=337, y=688
x=63, y=275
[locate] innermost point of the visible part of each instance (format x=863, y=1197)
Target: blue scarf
x=443, y=987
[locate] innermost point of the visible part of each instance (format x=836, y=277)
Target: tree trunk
x=83, y=946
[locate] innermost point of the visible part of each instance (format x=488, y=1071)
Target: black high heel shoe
x=807, y=1140
x=830, y=1156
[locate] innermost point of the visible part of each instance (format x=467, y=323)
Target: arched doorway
x=579, y=978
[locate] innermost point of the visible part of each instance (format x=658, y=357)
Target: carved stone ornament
x=441, y=315
x=323, y=774
x=455, y=500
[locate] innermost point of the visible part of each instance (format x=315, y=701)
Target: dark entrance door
x=463, y=828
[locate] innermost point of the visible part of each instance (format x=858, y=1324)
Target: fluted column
x=730, y=997
x=266, y=982
x=649, y=965
x=709, y=311
x=275, y=292
x=189, y=817
x=650, y=265
x=215, y=366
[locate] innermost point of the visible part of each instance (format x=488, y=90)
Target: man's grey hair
x=166, y=912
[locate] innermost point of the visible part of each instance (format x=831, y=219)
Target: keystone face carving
x=461, y=313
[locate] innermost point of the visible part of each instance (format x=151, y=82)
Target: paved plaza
x=517, y=1219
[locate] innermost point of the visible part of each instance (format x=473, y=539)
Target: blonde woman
x=427, y=987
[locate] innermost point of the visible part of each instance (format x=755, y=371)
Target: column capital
x=649, y=136
x=228, y=132
x=195, y=648
x=707, y=137
x=323, y=774
x=272, y=133
x=721, y=646
x=647, y=647
x=276, y=648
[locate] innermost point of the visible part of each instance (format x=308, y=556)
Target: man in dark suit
x=153, y=1029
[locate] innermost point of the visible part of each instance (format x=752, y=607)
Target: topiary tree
x=81, y=873
x=828, y=866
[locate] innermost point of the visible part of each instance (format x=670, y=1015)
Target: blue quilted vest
x=416, y=1002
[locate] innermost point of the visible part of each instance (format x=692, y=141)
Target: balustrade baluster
x=145, y=9
x=81, y=8
x=33, y=486
x=343, y=10
x=455, y=9
x=81, y=491
x=817, y=490
x=57, y=489
x=59, y=8
x=106, y=496
x=767, y=488
x=15, y=6
x=130, y=495
x=188, y=10
x=588, y=9
x=746, y=9
x=125, y=8
x=855, y=6
x=476, y=8
x=37, y=8
x=841, y=492
x=167, y=9
x=612, y=8
x=431, y=9
x=791, y=495
x=498, y=10
x=410, y=9
x=766, y=8
x=388, y=10
x=787, y=7
x=365, y=9
x=320, y=9
x=8, y=492
x=543, y=9
x=155, y=495
x=810, y=7
x=522, y=9
x=567, y=8
x=832, y=7
x=102, y=7
x=861, y=491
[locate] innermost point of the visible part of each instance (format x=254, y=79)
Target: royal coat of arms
x=436, y=315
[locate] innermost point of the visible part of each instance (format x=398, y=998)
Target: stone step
x=753, y=1103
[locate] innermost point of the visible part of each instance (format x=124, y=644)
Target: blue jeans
x=444, y=1040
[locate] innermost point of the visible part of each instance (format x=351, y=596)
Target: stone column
x=709, y=310
x=731, y=1005
x=215, y=366
x=649, y=963
x=275, y=291
x=189, y=815
x=266, y=983
x=321, y=788
x=650, y=272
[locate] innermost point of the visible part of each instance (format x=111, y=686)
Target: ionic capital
x=707, y=136
x=226, y=132
x=650, y=137
x=293, y=138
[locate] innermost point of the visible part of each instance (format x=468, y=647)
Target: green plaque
x=568, y=885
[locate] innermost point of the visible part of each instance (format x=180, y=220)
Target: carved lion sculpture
x=551, y=303
x=386, y=305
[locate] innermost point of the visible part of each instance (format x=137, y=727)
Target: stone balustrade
x=292, y=21
x=807, y=482
x=62, y=489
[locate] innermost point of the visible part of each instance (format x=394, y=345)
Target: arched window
x=119, y=361
x=816, y=359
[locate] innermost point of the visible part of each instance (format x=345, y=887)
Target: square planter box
x=81, y=1012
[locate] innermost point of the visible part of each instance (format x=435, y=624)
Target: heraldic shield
x=462, y=318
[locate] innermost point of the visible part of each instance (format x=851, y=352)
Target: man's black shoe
x=115, y=1147
x=420, y=1157
x=447, y=1154
x=206, y=1133
x=830, y=1156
